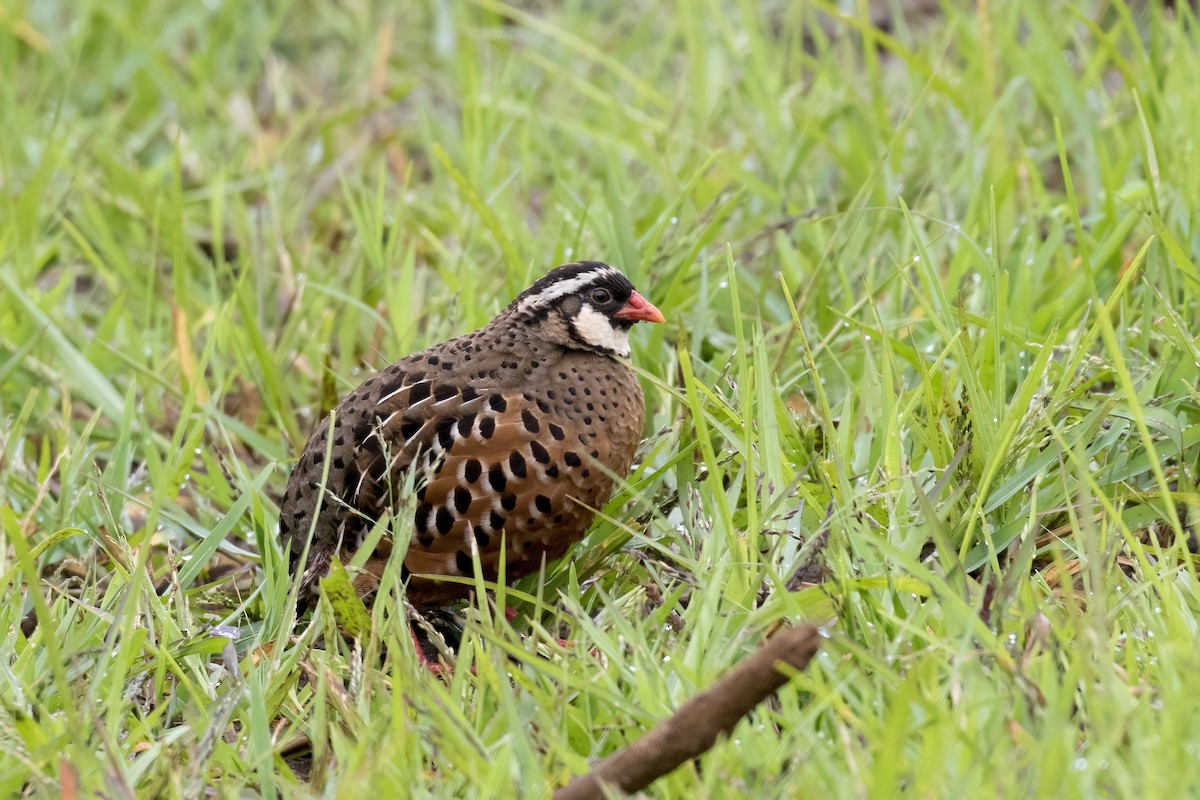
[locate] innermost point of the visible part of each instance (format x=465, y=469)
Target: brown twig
x=694, y=728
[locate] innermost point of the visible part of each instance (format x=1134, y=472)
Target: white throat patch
x=594, y=328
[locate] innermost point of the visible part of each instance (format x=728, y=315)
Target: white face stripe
x=597, y=330
x=564, y=288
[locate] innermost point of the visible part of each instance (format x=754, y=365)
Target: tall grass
x=930, y=376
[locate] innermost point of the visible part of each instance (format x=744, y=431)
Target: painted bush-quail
x=517, y=427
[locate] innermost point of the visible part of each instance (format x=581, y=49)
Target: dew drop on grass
x=916, y=259
x=568, y=252
x=674, y=220
x=1079, y=764
x=197, y=451
x=723, y=285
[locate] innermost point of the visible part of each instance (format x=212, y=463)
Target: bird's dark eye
x=601, y=296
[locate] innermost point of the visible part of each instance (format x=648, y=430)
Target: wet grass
x=930, y=376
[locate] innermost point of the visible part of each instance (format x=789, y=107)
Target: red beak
x=639, y=309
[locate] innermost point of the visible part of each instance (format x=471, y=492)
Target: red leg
x=433, y=666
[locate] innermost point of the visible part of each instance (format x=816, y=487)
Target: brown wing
x=398, y=416
x=509, y=467
x=485, y=462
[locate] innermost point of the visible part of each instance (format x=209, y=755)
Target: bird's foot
x=434, y=667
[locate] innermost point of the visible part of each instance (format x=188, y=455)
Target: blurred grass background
x=930, y=374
